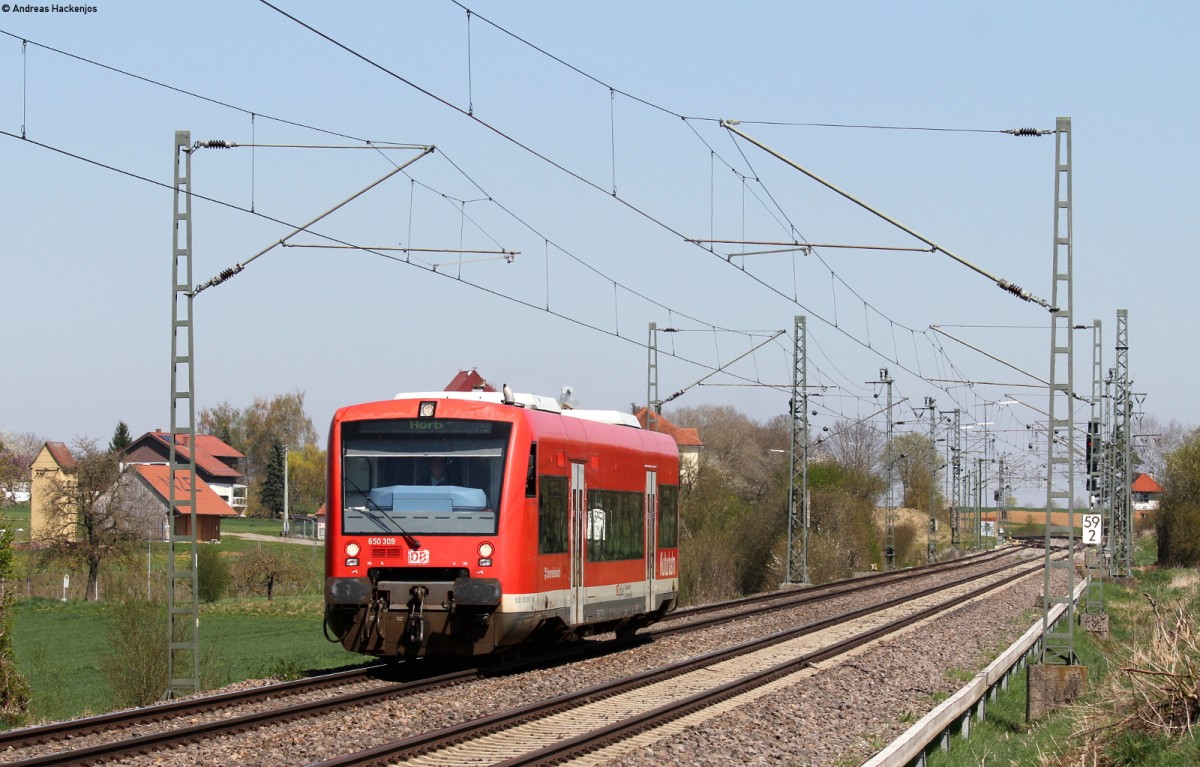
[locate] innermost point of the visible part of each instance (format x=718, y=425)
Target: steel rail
x=432, y=741
x=582, y=651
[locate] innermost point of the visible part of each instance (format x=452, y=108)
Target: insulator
x=215, y=144
x=1013, y=288
x=1027, y=132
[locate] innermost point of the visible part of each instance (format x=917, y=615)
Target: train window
x=668, y=516
x=552, y=516
x=616, y=529
x=422, y=476
x=531, y=473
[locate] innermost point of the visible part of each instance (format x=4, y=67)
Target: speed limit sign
x=1091, y=529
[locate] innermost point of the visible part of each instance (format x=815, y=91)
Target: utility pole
x=183, y=602
x=286, y=450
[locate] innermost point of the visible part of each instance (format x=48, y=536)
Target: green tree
x=1178, y=519
x=270, y=493
x=306, y=479
x=120, y=438
x=843, y=536
x=212, y=573
x=14, y=689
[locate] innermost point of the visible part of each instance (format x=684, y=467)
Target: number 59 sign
x=1091, y=529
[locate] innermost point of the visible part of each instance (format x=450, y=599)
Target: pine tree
x=120, y=438
x=270, y=492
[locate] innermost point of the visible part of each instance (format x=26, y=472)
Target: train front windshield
x=422, y=476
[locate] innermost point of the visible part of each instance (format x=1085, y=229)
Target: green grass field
x=59, y=646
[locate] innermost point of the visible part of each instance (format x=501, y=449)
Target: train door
x=578, y=541
x=651, y=534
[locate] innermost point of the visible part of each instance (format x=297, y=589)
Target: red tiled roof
x=467, y=380
x=684, y=437
x=61, y=454
x=208, y=503
x=212, y=445
x=1146, y=484
x=207, y=462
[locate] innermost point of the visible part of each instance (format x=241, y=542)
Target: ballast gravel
x=839, y=715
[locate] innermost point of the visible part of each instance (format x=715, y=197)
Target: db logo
x=418, y=556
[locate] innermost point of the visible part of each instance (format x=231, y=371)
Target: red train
x=466, y=523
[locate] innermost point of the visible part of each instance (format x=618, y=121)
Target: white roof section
x=531, y=401
x=615, y=417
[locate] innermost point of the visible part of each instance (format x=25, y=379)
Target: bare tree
x=17, y=453
x=255, y=430
x=855, y=445
x=1155, y=440
x=92, y=516
x=262, y=570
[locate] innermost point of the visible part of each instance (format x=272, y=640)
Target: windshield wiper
x=412, y=542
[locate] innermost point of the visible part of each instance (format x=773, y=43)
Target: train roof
x=532, y=402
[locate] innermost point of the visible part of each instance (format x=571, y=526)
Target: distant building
x=218, y=465
x=688, y=440
x=1146, y=493
x=468, y=380
x=54, y=461
x=150, y=490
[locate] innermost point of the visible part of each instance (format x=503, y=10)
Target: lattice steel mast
x=798, y=475
x=183, y=606
x=1122, y=475
x=1096, y=556
x=1058, y=646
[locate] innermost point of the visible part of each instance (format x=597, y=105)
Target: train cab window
x=668, y=516
x=424, y=476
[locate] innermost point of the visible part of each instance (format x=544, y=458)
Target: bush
x=212, y=573
x=136, y=662
x=14, y=689
x=1178, y=518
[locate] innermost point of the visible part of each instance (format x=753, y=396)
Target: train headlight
x=352, y=549
x=486, y=549
x=426, y=409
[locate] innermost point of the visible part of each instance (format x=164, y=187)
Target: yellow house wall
x=43, y=470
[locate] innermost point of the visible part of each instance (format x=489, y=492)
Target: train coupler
x=414, y=629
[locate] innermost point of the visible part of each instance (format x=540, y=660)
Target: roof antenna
x=507, y=395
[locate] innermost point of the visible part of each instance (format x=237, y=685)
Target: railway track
x=141, y=743
x=566, y=727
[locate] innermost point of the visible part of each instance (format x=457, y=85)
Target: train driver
x=437, y=471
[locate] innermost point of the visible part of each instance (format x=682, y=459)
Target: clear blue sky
x=86, y=251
